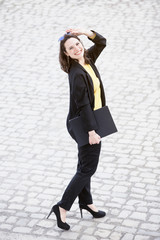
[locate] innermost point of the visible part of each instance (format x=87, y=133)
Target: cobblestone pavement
x=37, y=155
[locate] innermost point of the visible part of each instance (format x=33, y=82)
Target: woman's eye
x=77, y=43
x=70, y=48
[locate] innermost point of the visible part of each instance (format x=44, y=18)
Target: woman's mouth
x=78, y=53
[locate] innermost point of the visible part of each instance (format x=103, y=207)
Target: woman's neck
x=81, y=61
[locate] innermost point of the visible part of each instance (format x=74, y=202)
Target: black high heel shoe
x=60, y=224
x=98, y=214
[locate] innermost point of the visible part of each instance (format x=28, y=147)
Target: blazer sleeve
x=99, y=44
x=80, y=95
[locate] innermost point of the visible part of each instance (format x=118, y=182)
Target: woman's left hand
x=76, y=31
x=94, y=138
x=80, y=31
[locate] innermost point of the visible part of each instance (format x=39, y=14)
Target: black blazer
x=82, y=90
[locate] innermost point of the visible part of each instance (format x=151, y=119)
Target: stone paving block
x=22, y=229
x=150, y=226
x=32, y=209
x=6, y=227
x=115, y=236
x=128, y=236
x=37, y=215
x=123, y=229
x=124, y=214
x=69, y=235
x=87, y=237
x=17, y=199
x=22, y=222
x=89, y=231
x=12, y=219
x=102, y=233
x=51, y=233
x=130, y=223
x=138, y=190
x=105, y=226
x=154, y=219
x=142, y=209
x=45, y=224
x=152, y=234
x=141, y=237
x=19, y=236
x=122, y=189
x=119, y=200
x=139, y=216
x=16, y=206
x=153, y=193
x=3, y=218
x=32, y=223
x=154, y=211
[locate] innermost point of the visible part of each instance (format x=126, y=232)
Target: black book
x=106, y=126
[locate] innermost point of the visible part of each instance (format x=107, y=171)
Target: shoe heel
x=50, y=213
x=81, y=212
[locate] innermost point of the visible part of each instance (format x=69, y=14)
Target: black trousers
x=80, y=185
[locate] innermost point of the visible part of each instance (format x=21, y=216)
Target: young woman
x=86, y=95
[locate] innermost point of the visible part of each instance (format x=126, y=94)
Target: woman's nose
x=76, y=48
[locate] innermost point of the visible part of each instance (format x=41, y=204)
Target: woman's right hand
x=94, y=138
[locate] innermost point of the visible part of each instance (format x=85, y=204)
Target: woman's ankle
x=93, y=207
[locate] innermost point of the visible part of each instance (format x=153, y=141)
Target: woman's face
x=74, y=48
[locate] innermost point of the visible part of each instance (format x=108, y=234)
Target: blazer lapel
x=76, y=64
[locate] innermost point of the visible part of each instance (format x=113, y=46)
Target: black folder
x=105, y=123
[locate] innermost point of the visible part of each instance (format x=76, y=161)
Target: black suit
x=81, y=88
x=82, y=102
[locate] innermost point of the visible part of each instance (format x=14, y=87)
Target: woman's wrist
x=91, y=133
x=89, y=34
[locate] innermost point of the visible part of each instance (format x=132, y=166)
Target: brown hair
x=65, y=61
